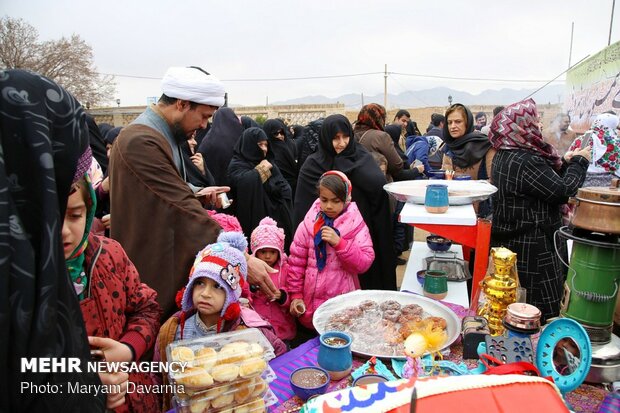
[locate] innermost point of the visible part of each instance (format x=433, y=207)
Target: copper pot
x=598, y=209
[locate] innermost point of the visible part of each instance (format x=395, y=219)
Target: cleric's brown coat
x=155, y=215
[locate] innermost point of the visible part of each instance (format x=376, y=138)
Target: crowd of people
x=131, y=253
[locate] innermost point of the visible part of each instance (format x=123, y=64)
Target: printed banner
x=593, y=87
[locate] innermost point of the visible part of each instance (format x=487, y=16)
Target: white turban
x=188, y=83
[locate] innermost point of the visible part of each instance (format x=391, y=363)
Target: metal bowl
x=459, y=192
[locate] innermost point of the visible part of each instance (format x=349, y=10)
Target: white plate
x=459, y=192
x=354, y=298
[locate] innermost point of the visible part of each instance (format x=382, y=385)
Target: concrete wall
x=423, y=115
x=302, y=114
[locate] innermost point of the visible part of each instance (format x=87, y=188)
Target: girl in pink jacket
x=332, y=245
x=267, y=243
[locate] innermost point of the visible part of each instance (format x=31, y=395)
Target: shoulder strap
x=489, y=163
x=362, y=137
x=482, y=170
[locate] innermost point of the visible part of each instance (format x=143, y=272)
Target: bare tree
x=68, y=61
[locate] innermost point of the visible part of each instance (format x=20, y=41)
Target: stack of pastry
x=223, y=374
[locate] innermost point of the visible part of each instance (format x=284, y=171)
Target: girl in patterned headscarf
x=532, y=182
x=605, y=143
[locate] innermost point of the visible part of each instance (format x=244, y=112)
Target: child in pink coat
x=332, y=245
x=267, y=243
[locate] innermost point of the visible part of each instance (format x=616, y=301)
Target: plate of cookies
x=380, y=321
x=223, y=371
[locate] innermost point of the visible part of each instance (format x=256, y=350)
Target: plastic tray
x=240, y=389
x=221, y=359
x=255, y=404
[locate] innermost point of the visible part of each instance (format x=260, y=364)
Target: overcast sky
x=524, y=40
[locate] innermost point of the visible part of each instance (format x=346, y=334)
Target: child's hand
x=298, y=307
x=112, y=349
x=329, y=235
x=119, y=382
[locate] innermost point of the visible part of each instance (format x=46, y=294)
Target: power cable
x=545, y=85
x=345, y=75
x=256, y=80
x=407, y=90
x=471, y=78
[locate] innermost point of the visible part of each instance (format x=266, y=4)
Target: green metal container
x=593, y=280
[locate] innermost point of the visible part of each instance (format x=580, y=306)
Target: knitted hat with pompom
x=224, y=262
x=267, y=235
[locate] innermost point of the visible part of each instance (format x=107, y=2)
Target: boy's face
x=268, y=255
x=208, y=297
x=75, y=223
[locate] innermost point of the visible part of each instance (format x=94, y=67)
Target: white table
x=455, y=215
x=457, y=291
x=460, y=225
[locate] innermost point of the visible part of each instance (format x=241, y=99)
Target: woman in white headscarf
x=605, y=143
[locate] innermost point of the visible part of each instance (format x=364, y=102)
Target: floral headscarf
x=372, y=116
x=516, y=127
x=605, y=142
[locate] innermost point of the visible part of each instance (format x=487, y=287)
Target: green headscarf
x=75, y=263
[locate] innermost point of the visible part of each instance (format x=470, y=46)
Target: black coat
x=526, y=214
x=218, y=145
x=284, y=151
x=253, y=199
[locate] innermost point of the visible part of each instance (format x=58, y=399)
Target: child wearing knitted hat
x=267, y=243
x=331, y=247
x=210, y=302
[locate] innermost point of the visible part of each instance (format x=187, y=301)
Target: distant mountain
x=438, y=97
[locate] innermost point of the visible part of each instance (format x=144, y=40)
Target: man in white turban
x=156, y=216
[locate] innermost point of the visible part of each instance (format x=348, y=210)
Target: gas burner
x=593, y=236
x=594, y=239
x=605, y=366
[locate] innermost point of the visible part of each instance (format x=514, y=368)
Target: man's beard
x=178, y=133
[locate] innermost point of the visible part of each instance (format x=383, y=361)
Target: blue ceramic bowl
x=420, y=275
x=437, y=243
x=309, y=381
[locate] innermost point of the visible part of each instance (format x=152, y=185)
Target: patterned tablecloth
x=586, y=398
